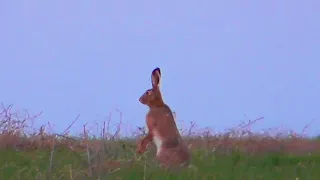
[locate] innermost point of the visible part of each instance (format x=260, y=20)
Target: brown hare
x=162, y=129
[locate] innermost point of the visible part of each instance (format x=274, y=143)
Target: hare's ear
x=155, y=77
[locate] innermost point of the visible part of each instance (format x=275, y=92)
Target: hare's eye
x=148, y=92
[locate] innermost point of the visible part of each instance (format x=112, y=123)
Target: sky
x=222, y=62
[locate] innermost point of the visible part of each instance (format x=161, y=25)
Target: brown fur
x=162, y=126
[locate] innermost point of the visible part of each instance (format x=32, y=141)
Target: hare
x=162, y=129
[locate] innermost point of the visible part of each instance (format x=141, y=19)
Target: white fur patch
x=157, y=141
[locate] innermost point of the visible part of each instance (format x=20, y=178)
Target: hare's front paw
x=140, y=150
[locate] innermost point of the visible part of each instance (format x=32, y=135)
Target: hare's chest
x=152, y=127
x=152, y=121
x=157, y=140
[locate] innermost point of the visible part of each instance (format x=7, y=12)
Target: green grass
x=206, y=165
x=45, y=156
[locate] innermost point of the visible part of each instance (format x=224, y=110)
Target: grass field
x=245, y=157
x=116, y=164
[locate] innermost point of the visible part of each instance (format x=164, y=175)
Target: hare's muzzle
x=142, y=100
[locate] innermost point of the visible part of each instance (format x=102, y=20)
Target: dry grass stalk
x=102, y=153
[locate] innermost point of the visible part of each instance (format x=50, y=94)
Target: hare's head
x=152, y=97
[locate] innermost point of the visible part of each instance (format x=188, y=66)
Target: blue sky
x=222, y=62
